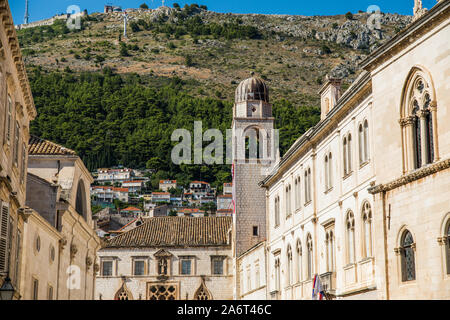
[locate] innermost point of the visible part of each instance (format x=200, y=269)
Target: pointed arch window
x=202, y=293
x=299, y=262
x=367, y=225
x=277, y=274
x=308, y=186
x=350, y=226
x=288, y=201
x=418, y=122
x=289, y=275
x=363, y=142
x=310, y=256
x=298, y=193
x=366, y=140
x=329, y=244
x=277, y=211
x=447, y=246
x=408, y=257
x=328, y=172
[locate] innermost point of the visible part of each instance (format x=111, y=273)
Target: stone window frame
x=113, y=261
x=143, y=259
x=367, y=218
x=350, y=237
x=418, y=120
x=401, y=251
x=330, y=245
x=277, y=220
x=8, y=118
x=217, y=258
x=309, y=257
x=193, y=261
x=299, y=261
x=289, y=267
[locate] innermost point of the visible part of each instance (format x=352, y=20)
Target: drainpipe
x=386, y=261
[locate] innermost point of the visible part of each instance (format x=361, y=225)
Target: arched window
x=277, y=211
x=289, y=276
x=349, y=154
x=308, y=185
x=361, y=143
x=407, y=257
x=447, y=247
x=344, y=155
x=329, y=244
x=299, y=261
x=288, y=201
x=123, y=293
x=328, y=172
x=80, y=202
x=298, y=194
x=367, y=221
x=277, y=274
x=418, y=112
x=310, y=256
x=366, y=140
x=202, y=293
x=350, y=226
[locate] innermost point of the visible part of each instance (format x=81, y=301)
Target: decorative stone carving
x=73, y=251
x=88, y=262
x=96, y=267
x=62, y=244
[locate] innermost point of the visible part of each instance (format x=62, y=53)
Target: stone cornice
x=411, y=177
x=13, y=44
x=403, y=39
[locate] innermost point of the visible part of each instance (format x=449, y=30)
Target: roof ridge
x=34, y=148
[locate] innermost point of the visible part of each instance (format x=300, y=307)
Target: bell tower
x=253, y=153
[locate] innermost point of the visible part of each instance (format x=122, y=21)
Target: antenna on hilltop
x=125, y=20
x=27, y=15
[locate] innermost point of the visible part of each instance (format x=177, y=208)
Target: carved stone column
x=423, y=134
x=433, y=110
x=409, y=143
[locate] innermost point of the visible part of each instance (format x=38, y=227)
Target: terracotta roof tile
x=38, y=146
x=176, y=232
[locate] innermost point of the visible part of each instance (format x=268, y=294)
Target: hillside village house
x=133, y=186
x=199, y=188
x=160, y=197
x=16, y=111
x=114, y=175
x=166, y=185
x=227, y=188
x=168, y=258
x=59, y=242
x=109, y=194
x=362, y=198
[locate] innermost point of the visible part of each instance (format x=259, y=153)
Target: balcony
x=328, y=280
x=275, y=295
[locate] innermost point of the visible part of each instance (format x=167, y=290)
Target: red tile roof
x=135, y=181
x=161, y=193
x=225, y=196
x=176, y=232
x=167, y=181
x=131, y=209
x=38, y=146
x=112, y=188
x=202, y=182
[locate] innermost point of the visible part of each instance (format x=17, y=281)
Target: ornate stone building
x=16, y=111
x=362, y=198
x=59, y=243
x=168, y=258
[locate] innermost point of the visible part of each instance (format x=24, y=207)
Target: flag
x=317, y=291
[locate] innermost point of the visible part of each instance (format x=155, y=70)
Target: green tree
x=143, y=6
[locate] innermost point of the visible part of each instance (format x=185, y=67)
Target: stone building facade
x=59, y=243
x=361, y=198
x=16, y=111
x=168, y=258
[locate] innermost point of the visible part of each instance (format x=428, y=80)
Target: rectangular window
x=16, y=145
x=4, y=236
x=107, y=267
x=217, y=265
x=17, y=266
x=50, y=292
x=255, y=231
x=35, y=289
x=139, y=267
x=8, y=120
x=24, y=163
x=186, y=266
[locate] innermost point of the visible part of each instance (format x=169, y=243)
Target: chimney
x=329, y=95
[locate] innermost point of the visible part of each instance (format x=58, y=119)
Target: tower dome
x=253, y=88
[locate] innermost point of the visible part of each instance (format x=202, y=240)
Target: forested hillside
x=112, y=119
x=117, y=101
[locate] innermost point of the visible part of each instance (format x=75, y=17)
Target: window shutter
x=4, y=231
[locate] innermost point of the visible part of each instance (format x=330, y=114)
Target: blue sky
x=41, y=9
